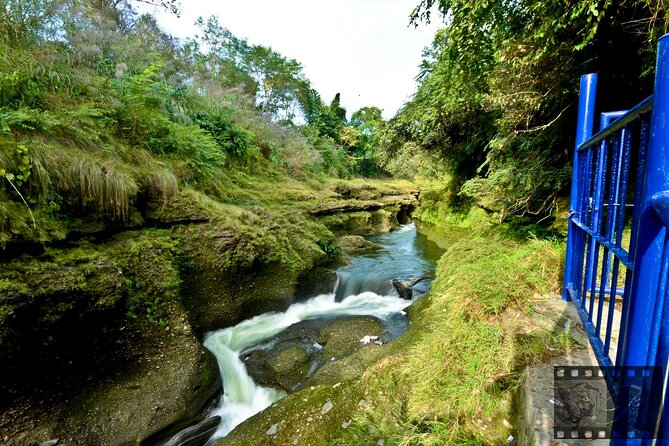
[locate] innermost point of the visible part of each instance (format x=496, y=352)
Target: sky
x=363, y=49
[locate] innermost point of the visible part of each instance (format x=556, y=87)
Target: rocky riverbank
x=101, y=328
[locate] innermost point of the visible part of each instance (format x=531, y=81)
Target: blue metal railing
x=618, y=249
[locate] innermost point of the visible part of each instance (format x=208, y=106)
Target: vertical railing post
x=576, y=238
x=646, y=319
x=641, y=318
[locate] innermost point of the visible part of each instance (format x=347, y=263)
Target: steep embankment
x=100, y=327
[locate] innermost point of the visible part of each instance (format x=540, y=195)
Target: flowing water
x=363, y=288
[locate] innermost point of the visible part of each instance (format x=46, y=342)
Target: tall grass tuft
x=162, y=184
x=104, y=186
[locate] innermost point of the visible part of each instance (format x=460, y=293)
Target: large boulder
x=356, y=244
x=292, y=358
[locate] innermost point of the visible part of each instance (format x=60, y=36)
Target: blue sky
x=363, y=49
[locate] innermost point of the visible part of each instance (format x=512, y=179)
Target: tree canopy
x=498, y=88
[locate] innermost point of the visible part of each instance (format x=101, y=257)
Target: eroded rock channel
x=101, y=329
x=264, y=358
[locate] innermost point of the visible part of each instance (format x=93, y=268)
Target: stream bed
x=363, y=288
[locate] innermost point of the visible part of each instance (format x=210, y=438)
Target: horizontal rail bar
x=642, y=107
x=622, y=255
x=607, y=290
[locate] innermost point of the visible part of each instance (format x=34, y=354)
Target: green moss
x=361, y=222
x=301, y=417
x=341, y=338
x=290, y=360
x=151, y=269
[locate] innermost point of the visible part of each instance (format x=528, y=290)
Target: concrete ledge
x=535, y=398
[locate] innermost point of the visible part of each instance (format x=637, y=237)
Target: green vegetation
x=179, y=186
x=152, y=275
x=101, y=113
x=452, y=378
x=495, y=110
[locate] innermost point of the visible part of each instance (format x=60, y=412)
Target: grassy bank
x=452, y=378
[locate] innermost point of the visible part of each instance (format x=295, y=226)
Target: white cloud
x=363, y=49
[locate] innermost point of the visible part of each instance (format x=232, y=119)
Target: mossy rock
x=289, y=360
x=156, y=397
x=342, y=337
x=311, y=417
x=363, y=222
x=316, y=281
x=69, y=337
x=355, y=244
x=43, y=300
x=302, y=349
x=160, y=387
x=188, y=207
x=241, y=265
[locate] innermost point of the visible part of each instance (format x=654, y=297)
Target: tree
x=367, y=120
x=337, y=110
x=25, y=21
x=280, y=85
x=498, y=90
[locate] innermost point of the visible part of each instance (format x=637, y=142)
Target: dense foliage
x=99, y=106
x=498, y=88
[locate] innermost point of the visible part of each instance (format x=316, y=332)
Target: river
x=363, y=288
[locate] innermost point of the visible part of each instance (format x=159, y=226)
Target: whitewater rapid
x=242, y=397
x=363, y=289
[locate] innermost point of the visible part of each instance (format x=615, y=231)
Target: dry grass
x=106, y=186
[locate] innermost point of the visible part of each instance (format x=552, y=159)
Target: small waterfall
x=350, y=283
x=242, y=398
x=363, y=288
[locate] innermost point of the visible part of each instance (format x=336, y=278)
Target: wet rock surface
x=320, y=280
x=356, y=244
x=310, y=417
x=110, y=357
x=196, y=435
x=152, y=380
x=404, y=287
x=292, y=358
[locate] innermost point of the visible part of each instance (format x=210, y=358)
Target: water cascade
x=363, y=288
